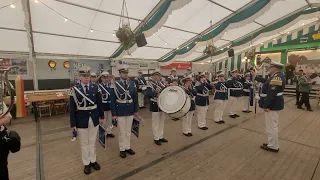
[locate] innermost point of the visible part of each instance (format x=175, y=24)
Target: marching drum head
x=171, y=99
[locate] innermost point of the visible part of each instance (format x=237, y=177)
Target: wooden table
x=35, y=97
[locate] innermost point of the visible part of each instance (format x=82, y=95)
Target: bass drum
x=174, y=101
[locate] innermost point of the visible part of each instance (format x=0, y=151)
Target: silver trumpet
x=5, y=87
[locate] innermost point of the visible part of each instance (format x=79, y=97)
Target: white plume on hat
x=93, y=74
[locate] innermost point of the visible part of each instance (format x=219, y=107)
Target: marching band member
x=235, y=89
x=220, y=97
x=104, y=85
x=190, y=74
x=86, y=112
x=93, y=78
x=202, y=101
x=123, y=108
x=173, y=76
x=140, y=83
x=271, y=100
x=246, y=94
x=187, y=119
x=158, y=116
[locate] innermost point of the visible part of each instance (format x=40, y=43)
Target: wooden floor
x=228, y=151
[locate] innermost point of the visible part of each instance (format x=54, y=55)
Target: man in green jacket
x=296, y=79
x=304, y=89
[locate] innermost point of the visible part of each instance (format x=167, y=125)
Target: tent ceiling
x=64, y=26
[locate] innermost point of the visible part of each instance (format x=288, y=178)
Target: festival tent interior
x=49, y=39
x=174, y=30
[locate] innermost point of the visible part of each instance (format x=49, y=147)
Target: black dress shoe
x=95, y=166
x=110, y=135
x=232, y=116
x=130, y=151
x=163, y=140
x=236, y=115
x=157, y=142
x=300, y=108
x=218, y=122
x=87, y=169
x=265, y=147
x=123, y=154
x=190, y=134
x=222, y=121
x=309, y=110
x=186, y=134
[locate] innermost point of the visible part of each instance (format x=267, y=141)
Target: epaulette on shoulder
x=277, y=81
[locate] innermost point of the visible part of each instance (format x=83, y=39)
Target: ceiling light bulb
x=187, y=47
x=36, y=1
x=113, y=34
x=91, y=30
x=302, y=24
x=65, y=19
x=166, y=43
x=12, y=6
x=177, y=48
x=274, y=39
x=196, y=42
x=261, y=43
x=288, y=32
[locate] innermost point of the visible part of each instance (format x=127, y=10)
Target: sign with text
x=178, y=66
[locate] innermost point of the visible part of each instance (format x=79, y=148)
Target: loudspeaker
x=231, y=52
x=141, y=40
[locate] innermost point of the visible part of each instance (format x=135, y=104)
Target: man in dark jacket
x=289, y=73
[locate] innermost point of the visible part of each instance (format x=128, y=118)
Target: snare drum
x=174, y=101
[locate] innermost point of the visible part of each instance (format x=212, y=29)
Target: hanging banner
x=96, y=66
x=183, y=65
x=20, y=63
x=135, y=64
x=307, y=38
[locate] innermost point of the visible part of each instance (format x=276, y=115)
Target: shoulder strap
x=84, y=96
x=125, y=91
x=104, y=89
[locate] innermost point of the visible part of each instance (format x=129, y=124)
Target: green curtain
x=289, y=37
x=312, y=28
x=279, y=41
x=300, y=33
x=239, y=62
x=232, y=63
x=226, y=63
x=220, y=66
x=269, y=44
x=283, y=59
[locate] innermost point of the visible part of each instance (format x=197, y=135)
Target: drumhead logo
x=173, y=90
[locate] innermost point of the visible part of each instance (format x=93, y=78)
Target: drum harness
x=125, y=93
x=84, y=100
x=152, y=85
x=189, y=93
x=106, y=95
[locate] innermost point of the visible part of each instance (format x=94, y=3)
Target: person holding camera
x=9, y=142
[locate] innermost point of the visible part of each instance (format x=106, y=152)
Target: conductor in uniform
x=271, y=100
x=123, y=107
x=86, y=112
x=140, y=83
